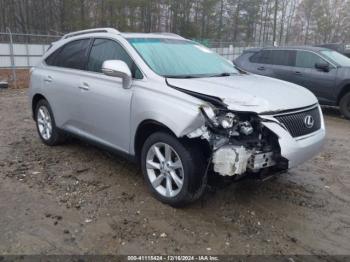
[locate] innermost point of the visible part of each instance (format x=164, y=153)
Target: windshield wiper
x=181, y=76
x=198, y=76
x=222, y=75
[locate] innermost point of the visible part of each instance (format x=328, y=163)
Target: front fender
x=179, y=115
x=342, y=88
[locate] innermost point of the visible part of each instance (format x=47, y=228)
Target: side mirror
x=118, y=68
x=322, y=66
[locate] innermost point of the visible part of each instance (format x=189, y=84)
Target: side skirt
x=126, y=156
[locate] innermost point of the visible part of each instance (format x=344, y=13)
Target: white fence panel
x=21, y=61
x=34, y=60
x=19, y=49
x=4, y=49
x=37, y=49
x=25, y=55
x=5, y=61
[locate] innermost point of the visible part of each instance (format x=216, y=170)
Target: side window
x=262, y=57
x=72, y=55
x=283, y=57
x=105, y=49
x=307, y=59
x=51, y=59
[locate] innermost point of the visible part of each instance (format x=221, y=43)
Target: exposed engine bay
x=239, y=141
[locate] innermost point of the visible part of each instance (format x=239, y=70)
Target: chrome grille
x=297, y=124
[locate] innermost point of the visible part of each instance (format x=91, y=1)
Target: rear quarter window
x=262, y=57
x=51, y=59
x=275, y=57
x=72, y=55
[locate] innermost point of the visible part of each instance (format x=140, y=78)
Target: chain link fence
x=232, y=50
x=19, y=52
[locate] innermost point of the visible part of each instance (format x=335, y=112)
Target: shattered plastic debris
x=231, y=160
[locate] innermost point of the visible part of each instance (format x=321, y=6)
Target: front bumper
x=300, y=149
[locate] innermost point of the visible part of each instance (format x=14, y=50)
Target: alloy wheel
x=44, y=123
x=165, y=170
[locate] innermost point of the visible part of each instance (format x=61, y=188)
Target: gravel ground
x=77, y=199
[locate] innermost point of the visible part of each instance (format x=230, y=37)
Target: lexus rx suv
x=177, y=108
x=324, y=72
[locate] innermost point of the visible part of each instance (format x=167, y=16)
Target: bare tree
x=262, y=21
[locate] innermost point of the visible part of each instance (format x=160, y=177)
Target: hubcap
x=44, y=123
x=165, y=170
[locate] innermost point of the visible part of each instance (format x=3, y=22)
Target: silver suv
x=181, y=111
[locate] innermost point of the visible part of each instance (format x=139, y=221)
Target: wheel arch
x=36, y=98
x=144, y=130
x=148, y=127
x=344, y=90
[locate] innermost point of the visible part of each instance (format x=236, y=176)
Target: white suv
x=180, y=110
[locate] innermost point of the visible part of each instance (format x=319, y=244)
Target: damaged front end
x=240, y=143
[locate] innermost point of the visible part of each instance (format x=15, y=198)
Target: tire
x=54, y=136
x=344, y=105
x=192, y=174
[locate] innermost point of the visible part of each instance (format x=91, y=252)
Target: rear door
x=261, y=63
x=61, y=79
x=105, y=104
x=319, y=82
x=283, y=62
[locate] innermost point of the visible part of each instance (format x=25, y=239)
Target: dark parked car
x=323, y=71
x=341, y=48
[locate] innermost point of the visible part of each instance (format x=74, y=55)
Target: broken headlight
x=217, y=120
x=232, y=123
x=228, y=120
x=246, y=128
x=210, y=115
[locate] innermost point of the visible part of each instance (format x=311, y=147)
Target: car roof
x=97, y=31
x=306, y=48
x=151, y=35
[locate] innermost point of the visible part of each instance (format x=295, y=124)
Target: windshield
x=181, y=58
x=340, y=59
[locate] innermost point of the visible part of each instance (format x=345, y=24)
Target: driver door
x=261, y=63
x=320, y=82
x=105, y=104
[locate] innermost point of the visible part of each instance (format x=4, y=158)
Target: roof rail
x=90, y=31
x=169, y=34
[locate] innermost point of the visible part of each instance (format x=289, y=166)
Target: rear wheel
x=174, y=171
x=345, y=105
x=46, y=126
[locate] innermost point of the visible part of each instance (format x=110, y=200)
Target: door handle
x=84, y=86
x=48, y=79
x=261, y=68
x=298, y=73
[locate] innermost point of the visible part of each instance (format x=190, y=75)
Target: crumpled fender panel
x=216, y=101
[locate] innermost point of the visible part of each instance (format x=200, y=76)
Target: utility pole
x=12, y=57
x=221, y=20
x=275, y=23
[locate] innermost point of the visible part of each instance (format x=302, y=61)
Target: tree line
x=244, y=21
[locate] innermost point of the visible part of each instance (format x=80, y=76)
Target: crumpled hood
x=249, y=92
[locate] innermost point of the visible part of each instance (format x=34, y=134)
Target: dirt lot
x=21, y=75
x=76, y=199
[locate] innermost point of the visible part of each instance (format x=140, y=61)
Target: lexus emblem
x=309, y=121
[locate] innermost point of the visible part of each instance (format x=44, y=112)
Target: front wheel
x=174, y=171
x=345, y=105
